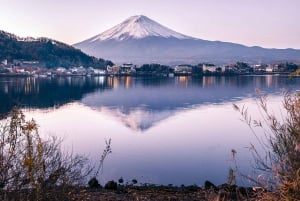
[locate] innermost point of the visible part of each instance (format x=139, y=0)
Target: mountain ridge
x=141, y=40
x=50, y=53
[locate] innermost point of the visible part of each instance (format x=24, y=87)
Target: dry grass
x=173, y=194
x=281, y=161
x=143, y=193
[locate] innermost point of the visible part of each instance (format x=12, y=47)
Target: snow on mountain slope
x=137, y=27
x=141, y=40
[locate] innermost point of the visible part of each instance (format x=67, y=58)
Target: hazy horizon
x=269, y=24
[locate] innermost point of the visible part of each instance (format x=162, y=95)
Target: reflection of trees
x=46, y=92
x=149, y=81
x=53, y=92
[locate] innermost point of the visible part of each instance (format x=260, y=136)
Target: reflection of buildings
x=258, y=82
x=209, y=81
x=31, y=86
x=127, y=81
x=61, y=81
x=139, y=103
x=28, y=85
x=100, y=80
x=113, y=82
x=183, y=80
x=45, y=92
x=269, y=80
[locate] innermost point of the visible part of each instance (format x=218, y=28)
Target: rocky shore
x=209, y=192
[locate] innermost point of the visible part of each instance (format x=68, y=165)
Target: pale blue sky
x=266, y=23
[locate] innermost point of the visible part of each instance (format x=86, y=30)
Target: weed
x=32, y=168
x=282, y=145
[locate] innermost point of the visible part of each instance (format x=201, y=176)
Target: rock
x=209, y=185
x=93, y=183
x=134, y=181
x=121, y=180
x=111, y=185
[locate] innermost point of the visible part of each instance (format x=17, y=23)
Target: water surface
x=164, y=130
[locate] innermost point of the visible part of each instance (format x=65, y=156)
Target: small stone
x=93, y=183
x=121, y=180
x=111, y=185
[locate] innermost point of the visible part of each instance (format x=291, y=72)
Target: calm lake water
x=164, y=131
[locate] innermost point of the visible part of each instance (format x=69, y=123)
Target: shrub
x=30, y=167
x=281, y=144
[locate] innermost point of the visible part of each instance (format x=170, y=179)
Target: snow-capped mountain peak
x=141, y=40
x=137, y=27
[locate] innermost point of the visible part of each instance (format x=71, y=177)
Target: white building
x=209, y=67
x=61, y=70
x=127, y=68
x=115, y=69
x=269, y=69
x=4, y=62
x=78, y=70
x=99, y=72
x=183, y=69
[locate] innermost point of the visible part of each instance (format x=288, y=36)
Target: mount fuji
x=140, y=40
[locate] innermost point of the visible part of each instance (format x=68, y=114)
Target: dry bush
x=281, y=161
x=32, y=168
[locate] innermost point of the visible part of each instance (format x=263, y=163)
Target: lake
x=177, y=130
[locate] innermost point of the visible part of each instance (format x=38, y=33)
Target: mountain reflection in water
x=137, y=102
x=188, y=123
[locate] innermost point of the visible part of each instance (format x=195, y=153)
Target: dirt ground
x=169, y=194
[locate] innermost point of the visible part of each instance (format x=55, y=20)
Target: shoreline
x=142, y=75
x=114, y=191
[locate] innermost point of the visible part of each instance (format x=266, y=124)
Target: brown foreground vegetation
x=149, y=193
x=173, y=194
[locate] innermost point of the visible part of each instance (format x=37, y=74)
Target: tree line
x=49, y=53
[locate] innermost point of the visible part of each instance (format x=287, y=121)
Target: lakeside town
x=34, y=68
